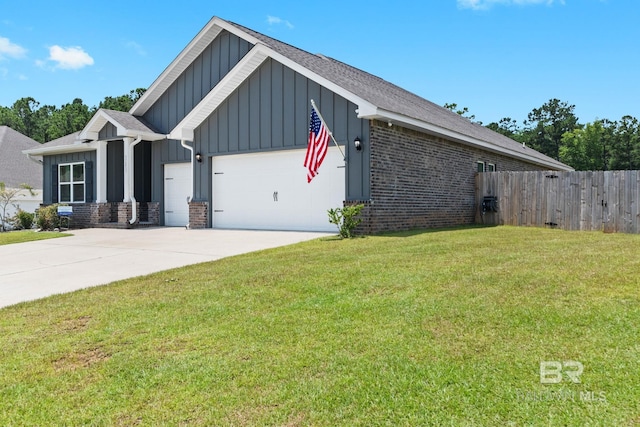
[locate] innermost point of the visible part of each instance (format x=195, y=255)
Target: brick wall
x=94, y=214
x=125, y=211
x=153, y=213
x=423, y=181
x=365, y=215
x=100, y=213
x=87, y=214
x=81, y=217
x=198, y=214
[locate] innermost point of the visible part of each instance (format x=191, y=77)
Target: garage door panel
x=270, y=191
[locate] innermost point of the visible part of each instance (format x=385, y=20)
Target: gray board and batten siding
x=115, y=171
x=202, y=75
x=267, y=112
x=270, y=112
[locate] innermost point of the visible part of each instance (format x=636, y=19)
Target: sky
x=498, y=58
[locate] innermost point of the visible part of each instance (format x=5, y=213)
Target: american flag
x=318, y=145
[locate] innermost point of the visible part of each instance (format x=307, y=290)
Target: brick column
x=198, y=214
x=153, y=213
x=124, y=212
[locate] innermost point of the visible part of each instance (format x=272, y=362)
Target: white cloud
x=6, y=75
x=274, y=20
x=10, y=50
x=136, y=47
x=69, y=58
x=486, y=4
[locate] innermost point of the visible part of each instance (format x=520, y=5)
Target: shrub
x=48, y=218
x=8, y=197
x=23, y=220
x=345, y=219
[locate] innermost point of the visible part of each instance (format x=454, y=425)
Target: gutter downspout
x=183, y=142
x=134, y=203
x=30, y=156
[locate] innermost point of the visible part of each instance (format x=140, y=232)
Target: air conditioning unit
x=489, y=204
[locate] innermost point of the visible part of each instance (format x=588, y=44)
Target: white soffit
x=60, y=149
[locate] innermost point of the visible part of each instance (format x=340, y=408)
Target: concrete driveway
x=95, y=256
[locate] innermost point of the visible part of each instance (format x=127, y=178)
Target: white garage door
x=177, y=190
x=269, y=191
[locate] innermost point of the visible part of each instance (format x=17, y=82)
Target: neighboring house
x=219, y=140
x=17, y=169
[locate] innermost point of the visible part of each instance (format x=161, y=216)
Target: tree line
x=553, y=129
x=45, y=123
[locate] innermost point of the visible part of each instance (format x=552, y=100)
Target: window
x=71, y=183
x=486, y=167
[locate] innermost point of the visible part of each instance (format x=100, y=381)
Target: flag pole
x=313, y=104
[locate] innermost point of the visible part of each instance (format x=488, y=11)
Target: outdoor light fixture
x=357, y=143
x=198, y=157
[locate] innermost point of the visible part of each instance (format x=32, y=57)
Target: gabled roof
x=199, y=43
x=15, y=167
x=127, y=125
x=388, y=102
x=375, y=97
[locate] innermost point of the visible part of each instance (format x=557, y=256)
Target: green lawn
x=8, y=238
x=423, y=328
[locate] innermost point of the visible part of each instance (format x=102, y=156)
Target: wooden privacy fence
x=601, y=200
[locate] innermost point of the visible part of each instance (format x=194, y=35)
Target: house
x=219, y=139
x=17, y=170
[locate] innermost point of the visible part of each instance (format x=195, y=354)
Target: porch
x=115, y=215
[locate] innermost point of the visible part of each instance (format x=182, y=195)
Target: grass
x=8, y=238
x=438, y=328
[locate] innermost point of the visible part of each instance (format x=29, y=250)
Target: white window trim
x=71, y=183
x=486, y=167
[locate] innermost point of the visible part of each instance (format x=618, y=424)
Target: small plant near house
x=23, y=220
x=47, y=218
x=346, y=219
x=9, y=197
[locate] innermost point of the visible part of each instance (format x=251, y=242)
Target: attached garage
x=223, y=134
x=177, y=191
x=269, y=191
